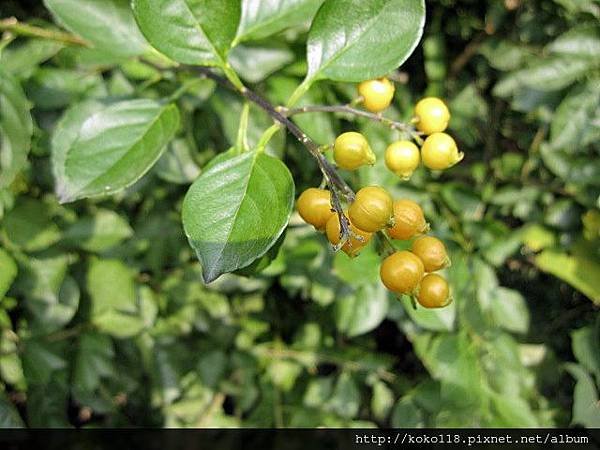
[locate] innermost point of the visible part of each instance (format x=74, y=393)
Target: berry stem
x=349, y=109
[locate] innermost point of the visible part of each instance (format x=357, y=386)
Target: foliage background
x=104, y=318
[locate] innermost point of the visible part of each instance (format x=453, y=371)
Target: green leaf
x=582, y=42
x=94, y=360
x=441, y=319
x=255, y=63
x=99, y=232
x=52, y=88
x=108, y=151
x=189, y=31
x=586, y=410
x=117, y=307
x=574, y=116
x=9, y=417
x=463, y=200
x=538, y=237
x=452, y=360
x=40, y=360
x=586, y=349
x=29, y=225
x=8, y=272
x=261, y=19
x=577, y=269
x=362, y=310
x=16, y=128
x=510, y=311
x=361, y=270
x=108, y=25
x=573, y=169
x=54, y=312
x=555, y=72
x=21, y=61
x=177, y=164
x=382, y=400
x=354, y=40
x=513, y=412
x=345, y=399
x=236, y=211
x=407, y=414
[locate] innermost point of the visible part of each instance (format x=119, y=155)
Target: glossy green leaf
x=108, y=151
x=16, y=128
x=362, y=310
x=8, y=272
x=189, y=31
x=263, y=18
x=108, y=25
x=236, y=211
x=353, y=40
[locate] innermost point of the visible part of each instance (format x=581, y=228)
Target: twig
x=22, y=29
x=347, y=109
x=334, y=181
x=470, y=50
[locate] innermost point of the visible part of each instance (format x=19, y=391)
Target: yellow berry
x=314, y=206
x=409, y=220
x=439, y=152
x=432, y=252
x=372, y=209
x=401, y=272
x=402, y=158
x=353, y=246
x=434, y=292
x=351, y=151
x=377, y=94
x=432, y=115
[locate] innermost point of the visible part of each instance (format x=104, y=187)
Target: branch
x=347, y=109
x=333, y=179
x=12, y=25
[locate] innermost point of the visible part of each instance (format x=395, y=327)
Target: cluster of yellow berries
x=438, y=152
x=373, y=209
